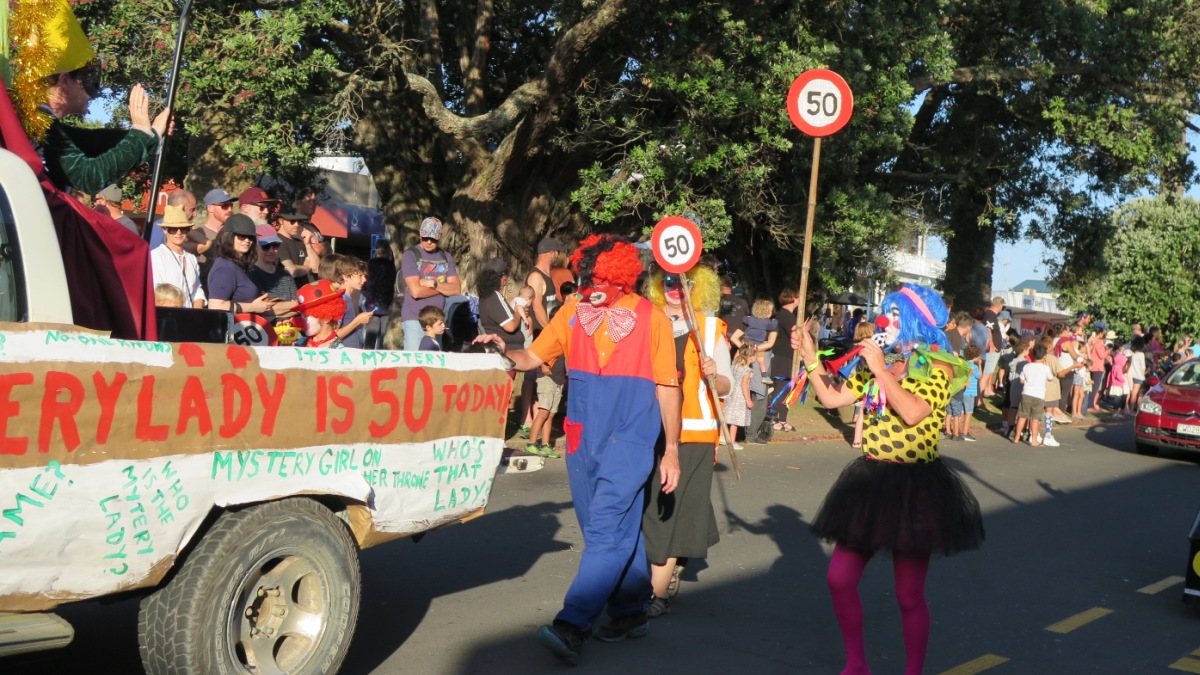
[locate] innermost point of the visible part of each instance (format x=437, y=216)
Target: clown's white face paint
x=887, y=329
x=312, y=326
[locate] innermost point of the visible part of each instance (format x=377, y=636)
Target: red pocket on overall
x=574, y=434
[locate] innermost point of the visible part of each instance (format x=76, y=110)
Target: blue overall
x=611, y=426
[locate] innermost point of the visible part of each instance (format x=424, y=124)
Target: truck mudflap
x=113, y=452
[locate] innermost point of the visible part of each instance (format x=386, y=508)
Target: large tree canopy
x=514, y=119
x=1145, y=267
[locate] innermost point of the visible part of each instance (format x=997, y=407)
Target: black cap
x=241, y=224
x=549, y=244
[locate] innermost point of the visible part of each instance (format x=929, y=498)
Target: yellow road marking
x=1081, y=619
x=1160, y=586
x=1186, y=665
x=1196, y=653
x=977, y=665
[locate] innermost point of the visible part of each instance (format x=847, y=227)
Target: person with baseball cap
x=298, y=251
x=218, y=206
x=108, y=202
x=171, y=264
x=430, y=276
x=268, y=274
x=255, y=203
x=991, y=357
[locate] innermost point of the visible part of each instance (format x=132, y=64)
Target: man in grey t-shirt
x=430, y=276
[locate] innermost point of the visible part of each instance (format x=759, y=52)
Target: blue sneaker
x=564, y=640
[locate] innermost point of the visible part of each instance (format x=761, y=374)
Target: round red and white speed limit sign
x=677, y=244
x=251, y=330
x=819, y=102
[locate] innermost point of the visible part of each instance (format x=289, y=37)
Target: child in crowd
x=328, y=267
x=522, y=305
x=433, y=322
x=1116, y=377
x=739, y=401
x=972, y=354
x=1035, y=375
x=351, y=273
x=1051, y=410
x=1135, y=374
x=760, y=332
x=168, y=295
x=1014, y=369
x=322, y=306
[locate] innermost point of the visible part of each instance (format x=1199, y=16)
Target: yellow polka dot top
x=887, y=437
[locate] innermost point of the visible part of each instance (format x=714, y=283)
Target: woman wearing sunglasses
x=170, y=264
x=229, y=284
x=89, y=159
x=680, y=525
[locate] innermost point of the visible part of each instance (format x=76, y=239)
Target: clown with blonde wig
x=681, y=526
x=624, y=383
x=897, y=496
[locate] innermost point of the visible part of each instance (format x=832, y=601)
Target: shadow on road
x=398, y=586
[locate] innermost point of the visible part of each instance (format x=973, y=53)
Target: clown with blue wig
x=898, y=496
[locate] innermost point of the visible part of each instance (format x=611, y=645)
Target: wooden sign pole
x=802, y=307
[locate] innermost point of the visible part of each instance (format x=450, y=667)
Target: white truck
x=233, y=486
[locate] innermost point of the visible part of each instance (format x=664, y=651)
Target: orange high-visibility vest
x=700, y=423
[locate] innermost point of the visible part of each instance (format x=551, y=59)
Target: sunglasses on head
x=176, y=230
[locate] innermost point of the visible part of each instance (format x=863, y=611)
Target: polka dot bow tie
x=620, y=320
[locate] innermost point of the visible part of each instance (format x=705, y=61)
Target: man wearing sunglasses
x=90, y=159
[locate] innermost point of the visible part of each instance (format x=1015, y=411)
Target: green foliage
x=1147, y=269
x=257, y=68
x=1012, y=118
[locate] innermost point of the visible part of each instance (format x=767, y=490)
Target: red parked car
x=1169, y=414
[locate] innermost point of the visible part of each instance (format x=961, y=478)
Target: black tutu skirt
x=903, y=508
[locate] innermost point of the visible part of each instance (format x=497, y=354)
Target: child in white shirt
x=522, y=305
x=1034, y=377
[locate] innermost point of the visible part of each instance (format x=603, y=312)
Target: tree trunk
x=969, y=252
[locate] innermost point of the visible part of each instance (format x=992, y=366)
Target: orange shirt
x=555, y=340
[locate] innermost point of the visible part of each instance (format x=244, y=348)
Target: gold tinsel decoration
x=36, y=54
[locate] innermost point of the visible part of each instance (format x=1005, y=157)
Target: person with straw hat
x=170, y=264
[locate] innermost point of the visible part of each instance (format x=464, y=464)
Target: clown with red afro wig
x=607, y=266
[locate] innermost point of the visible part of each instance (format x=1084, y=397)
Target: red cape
x=107, y=266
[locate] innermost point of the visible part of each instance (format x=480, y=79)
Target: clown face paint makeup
x=673, y=290
x=887, y=329
x=312, y=326
x=602, y=295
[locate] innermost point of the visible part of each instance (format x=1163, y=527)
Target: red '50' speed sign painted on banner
x=819, y=102
x=677, y=244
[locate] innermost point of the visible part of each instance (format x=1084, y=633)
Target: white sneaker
x=1049, y=441
x=737, y=446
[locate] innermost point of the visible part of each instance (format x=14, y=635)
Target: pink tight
x=845, y=571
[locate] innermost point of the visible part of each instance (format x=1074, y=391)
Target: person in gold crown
x=56, y=76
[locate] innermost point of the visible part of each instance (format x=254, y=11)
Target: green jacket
x=90, y=160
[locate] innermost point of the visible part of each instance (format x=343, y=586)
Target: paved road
x=1077, y=538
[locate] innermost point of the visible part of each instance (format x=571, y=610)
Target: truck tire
x=273, y=588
